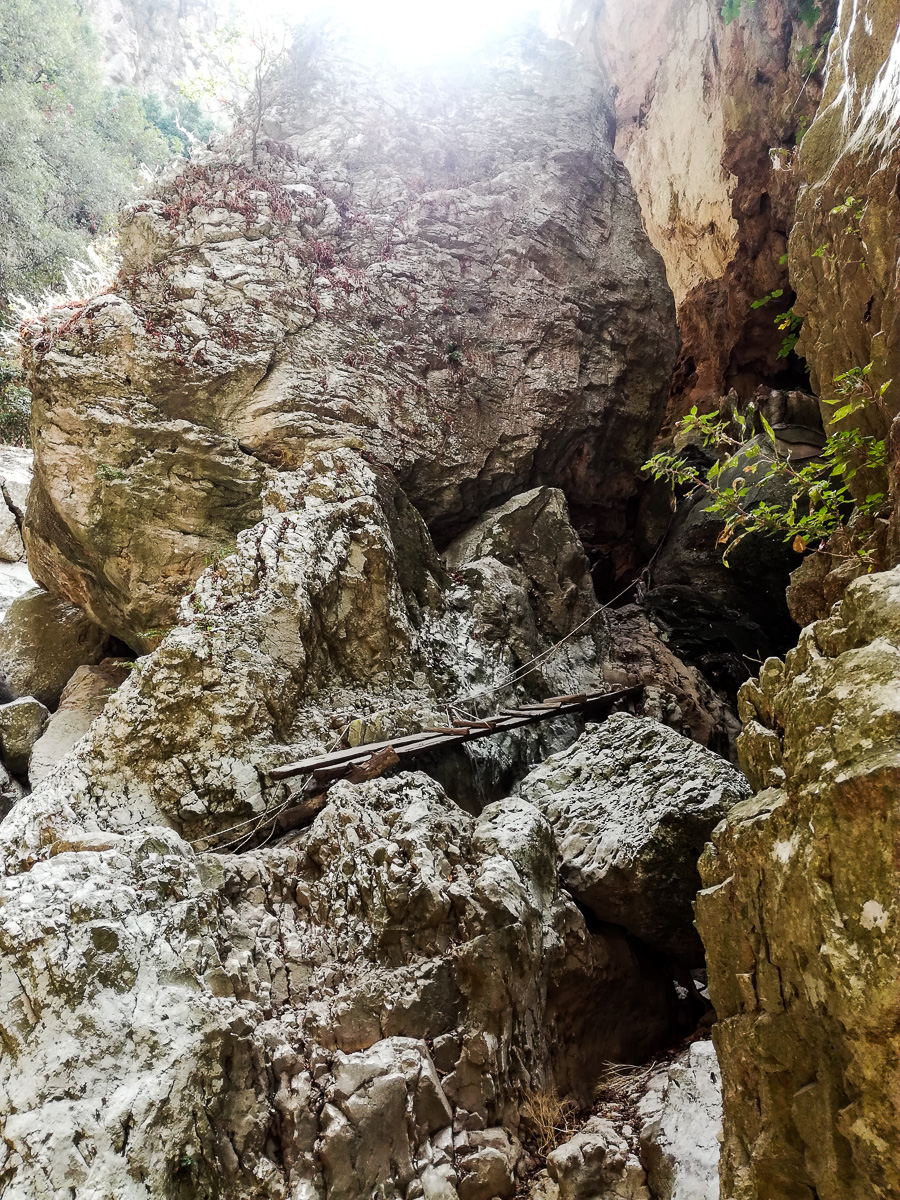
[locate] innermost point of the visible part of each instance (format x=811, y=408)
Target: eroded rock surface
x=675, y=693
x=83, y=699
x=338, y=1017
x=449, y=272
x=844, y=263
x=154, y=48
x=682, y=1114
x=15, y=480
x=800, y=919
x=632, y=804
x=21, y=724
x=596, y=1162
x=333, y=614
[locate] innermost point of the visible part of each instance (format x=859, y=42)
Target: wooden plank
x=301, y=814
x=323, y=766
x=375, y=765
x=305, y=765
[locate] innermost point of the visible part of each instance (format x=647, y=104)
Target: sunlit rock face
x=708, y=116
x=447, y=271
x=799, y=916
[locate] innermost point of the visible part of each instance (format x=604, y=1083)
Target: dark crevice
x=17, y=513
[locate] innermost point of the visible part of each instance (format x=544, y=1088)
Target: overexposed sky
x=411, y=30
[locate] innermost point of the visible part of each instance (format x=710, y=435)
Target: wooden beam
x=324, y=767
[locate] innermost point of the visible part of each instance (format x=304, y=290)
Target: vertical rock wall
x=153, y=45
x=801, y=917
x=844, y=265
x=845, y=245
x=709, y=115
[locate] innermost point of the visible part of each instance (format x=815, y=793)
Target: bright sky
x=414, y=30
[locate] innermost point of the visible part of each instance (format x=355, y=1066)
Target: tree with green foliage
x=71, y=149
x=15, y=406
x=183, y=126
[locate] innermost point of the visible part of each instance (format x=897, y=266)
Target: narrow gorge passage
x=450, y=588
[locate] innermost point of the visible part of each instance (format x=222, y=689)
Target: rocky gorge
x=350, y=450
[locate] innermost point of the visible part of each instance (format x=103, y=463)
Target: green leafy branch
x=859, y=391
x=818, y=500
x=853, y=210
x=789, y=322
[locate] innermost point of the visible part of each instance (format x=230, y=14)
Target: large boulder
x=532, y=534
x=448, y=270
x=356, y=1012
x=596, y=1162
x=43, y=639
x=800, y=916
x=632, y=804
x=674, y=692
x=333, y=614
x=21, y=724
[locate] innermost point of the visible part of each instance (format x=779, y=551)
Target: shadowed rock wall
x=709, y=115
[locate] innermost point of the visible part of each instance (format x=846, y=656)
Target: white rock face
x=153, y=47
x=353, y=1014
x=597, y=1164
x=709, y=115
x=334, y=612
x=673, y=129
x=632, y=804
x=447, y=270
x=359, y=1009
x=83, y=700
x=15, y=581
x=682, y=1111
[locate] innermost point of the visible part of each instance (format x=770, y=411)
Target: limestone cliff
x=844, y=264
x=447, y=272
x=845, y=245
x=709, y=118
x=800, y=916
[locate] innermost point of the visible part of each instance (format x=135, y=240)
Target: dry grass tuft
x=618, y=1076
x=547, y=1117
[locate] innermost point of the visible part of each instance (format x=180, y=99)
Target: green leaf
x=843, y=412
